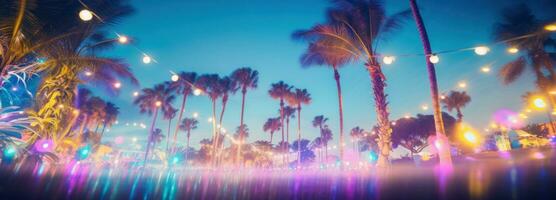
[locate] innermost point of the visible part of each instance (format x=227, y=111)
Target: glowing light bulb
x=175, y=77
x=550, y=27
x=147, y=59
x=197, y=92
x=135, y=93
x=158, y=103
x=117, y=85
x=195, y=115
x=122, y=39
x=85, y=15
x=539, y=103
x=425, y=107
x=470, y=136
x=434, y=59
x=462, y=84
x=485, y=69
x=388, y=59
x=481, y=50
x=513, y=50
x=88, y=73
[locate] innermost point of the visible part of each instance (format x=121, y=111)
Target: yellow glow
x=434, y=59
x=88, y=73
x=158, y=103
x=197, y=92
x=85, y=15
x=122, y=39
x=388, y=59
x=550, y=27
x=425, y=107
x=485, y=69
x=462, y=84
x=470, y=137
x=75, y=112
x=552, y=92
x=442, y=97
x=147, y=59
x=513, y=50
x=539, y=102
x=481, y=50
x=528, y=110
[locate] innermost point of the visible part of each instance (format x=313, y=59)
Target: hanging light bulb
x=462, y=84
x=122, y=39
x=434, y=59
x=485, y=69
x=117, y=85
x=425, y=107
x=158, y=103
x=175, y=77
x=481, y=50
x=135, y=93
x=88, y=73
x=147, y=59
x=197, y=92
x=195, y=115
x=85, y=15
x=550, y=27
x=388, y=59
x=513, y=50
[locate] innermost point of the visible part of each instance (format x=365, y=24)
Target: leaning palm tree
x=518, y=21
x=187, y=125
x=280, y=91
x=183, y=86
x=272, y=125
x=444, y=155
x=210, y=84
x=456, y=101
x=297, y=98
x=150, y=102
x=354, y=27
x=317, y=55
x=245, y=78
x=111, y=116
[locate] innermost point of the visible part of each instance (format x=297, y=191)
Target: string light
x=434, y=59
x=147, y=59
x=388, y=59
x=424, y=107
x=135, y=94
x=513, y=50
x=481, y=50
x=195, y=115
x=175, y=77
x=462, y=84
x=485, y=69
x=117, y=85
x=85, y=15
x=88, y=73
x=442, y=97
x=197, y=92
x=158, y=103
x=122, y=39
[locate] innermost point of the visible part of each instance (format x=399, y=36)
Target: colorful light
x=485, y=69
x=550, y=27
x=434, y=59
x=117, y=85
x=135, y=94
x=462, y=84
x=539, y=102
x=44, y=146
x=195, y=115
x=470, y=137
x=88, y=73
x=85, y=15
x=10, y=152
x=147, y=59
x=197, y=92
x=388, y=59
x=175, y=77
x=158, y=103
x=513, y=50
x=424, y=107
x=481, y=50
x=123, y=39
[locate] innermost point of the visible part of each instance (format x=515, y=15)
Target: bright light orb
x=482, y=50
x=158, y=103
x=85, y=15
x=434, y=59
x=210, y=119
x=135, y=93
x=550, y=27
x=117, y=85
x=513, y=50
x=197, y=92
x=485, y=69
x=175, y=77
x=470, y=137
x=88, y=73
x=425, y=107
x=462, y=84
x=14, y=89
x=123, y=39
x=195, y=115
x=388, y=59
x=539, y=103
x=147, y=59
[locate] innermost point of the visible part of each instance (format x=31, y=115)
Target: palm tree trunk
x=168, y=135
x=180, y=115
x=271, y=134
x=381, y=107
x=214, y=133
x=341, y=111
x=96, y=129
x=102, y=132
x=459, y=115
x=83, y=124
x=149, y=136
x=243, y=92
x=187, y=146
x=298, y=135
x=282, y=128
x=444, y=154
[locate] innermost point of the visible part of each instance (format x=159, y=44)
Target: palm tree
x=168, y=113
x=227, y=86
x=184, y=86
x=242, y=132
x=354, y=27
x=289, y=112
x=316, y=55
x=356, y=133
x=210, y=84
x=187, y=125
x=516, y=22
x=150, y=101
x=245, y=78
x=318, y=144
x=445, y=155
x=156, y=137
x=111, y=116
x=456, y=100
x=297, y=98
x=272, y=125
x=320, y=123
x=280, y=91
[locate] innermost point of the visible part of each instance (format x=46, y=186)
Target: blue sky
x=220, y=36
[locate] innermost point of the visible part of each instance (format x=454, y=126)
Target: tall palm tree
x=280, y=91
x=210, y=84
x=320, y=123
x=297, y=98
x=516, y=22
x=444, y=154
x=187, y=125
x=183, y=86
x=354, y=27
x=456, y=101
x=319, y=145
x=272, y=125
x=156, y=137
x=317, y=55
x=111, y=116
x=289, y=113
x=150, y=102
x=227, y=86
x=356, y=134
x=168, y=113
x=245, y=78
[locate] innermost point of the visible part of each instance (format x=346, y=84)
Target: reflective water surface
x=529, y=174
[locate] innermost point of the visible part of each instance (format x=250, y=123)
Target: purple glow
x=44, y=146
x=119, y=140
x=508, y=118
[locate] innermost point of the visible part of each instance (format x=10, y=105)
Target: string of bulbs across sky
x=87, y=15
